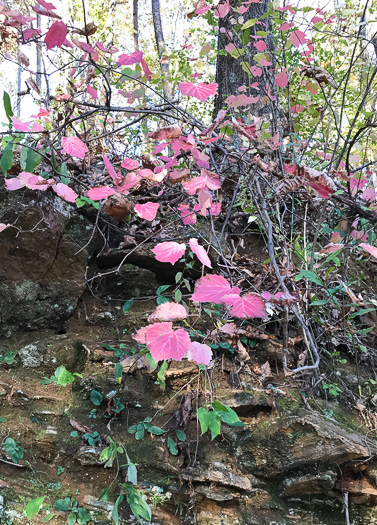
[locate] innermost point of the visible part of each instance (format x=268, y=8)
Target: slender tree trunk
x=39, y=57
x=136, y=23
x=160, y=42
x=231, y=73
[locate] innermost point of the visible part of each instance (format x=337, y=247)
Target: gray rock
x=31, y=356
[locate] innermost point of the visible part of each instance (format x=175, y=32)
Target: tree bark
x=160, y=42
x=136, y=23
x=229, y=72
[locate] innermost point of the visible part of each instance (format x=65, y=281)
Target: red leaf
x=92, y=92
x=65, y=192
x=56, y=35
x=165, y=343
x=248, y=306
x=200, y=252
x=46, y=5
x=17, y=124
x=100, y=192
x=193, y=185
x=168, y=312
x=147, y=71
x=199, y=353
x=222, y=9
x=187, y=216
x=200, y=91
x=3, y=226
x=212, y=289
x=110, y=168
x=147, y=211
x=140, y=336
x=297, y=38
x=128, y=60
x=370, y=249
x=74, y=147
x=169, y=251
x=281, y=79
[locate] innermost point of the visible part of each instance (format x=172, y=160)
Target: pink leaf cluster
x=200, y=91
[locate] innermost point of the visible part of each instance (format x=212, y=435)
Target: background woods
x=187, y=262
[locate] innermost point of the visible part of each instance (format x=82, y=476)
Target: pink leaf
x=201, y=7
x=281, y=79
x=187, y=216
x=200, y=252
x=14, y=184
x=92, y=92
x=17, y=124
x=322, y=189
x=100, y=192
x=168, y=312
x=261, y=45
x=130, y=164
x=200, y=91
x=297, y=108
x=297, y=38
x=110, y=168
x=56, y=35
x=34, y=182
x=169, y=251
x=212, y=289
x=140, y=335
x=37, y=127
x=65, y=192
x=281, y=298
x=147, y=71
x=228, y=328
x=131, y=180
x=199, y=353
x=222, y=9
x=128, y=60
x=46, y=5
x=147, y=211
x=248, y=306
x=74, y=147
x=165, y=343
x=193, y=185
x=3, y=226
x=370, y=249
x=332, y=247
x=205, y=200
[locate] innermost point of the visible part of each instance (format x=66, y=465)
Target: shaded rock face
x=42, y=275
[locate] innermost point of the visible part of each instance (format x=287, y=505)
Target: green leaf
x=365, y=330
x=64, y=173
x=65, y=378
x=127, y=305
x=139, y=434
x=214, y=423
x=7, y=106
x=6, y=161
x=180, y=435
x=178, y=277
x=8, y=358
x=178, y=296
x=32, y=508
x=249, y=23
x=72, y=518
x=161, y=374
x=363, y=311
x=162, y=289
x=105, y=495
x=3, y=420
x=172, y=446
x=118, y=371
x=63, y=504
x=133, y=429
x=115, y=514
x=139, y=507
x=96, y=397
x=310, y=276
x=74, y=434
x=203, y=416
x=319, y=302
x=131, y=471
x=156, y=431
x=161, y=299
x=83, y=516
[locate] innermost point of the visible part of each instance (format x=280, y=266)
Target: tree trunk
x=136, y=23
x=160, y=42
x=230, y=75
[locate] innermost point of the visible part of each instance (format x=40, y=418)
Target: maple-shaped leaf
x=168, y=312
x=100, y=192
x=165, y=343
x=56, y=35
x=130, y=164
x=212, y=289
x=147, y=211
x=169, y=132
x=65, y=192
x=199, y=353
x=74, y=147
x=246, y=307
x=141, y=336
x=169, y=251
x=200, y=252
x=128, y=60
x=200, y=91
x=370, y=249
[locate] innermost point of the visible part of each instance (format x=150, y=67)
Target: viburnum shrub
x=319, y=140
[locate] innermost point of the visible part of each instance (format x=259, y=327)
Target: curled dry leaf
x=319, y=74
x=80, y=427
x=23, y=59
x=170, y=132
x=117, y=207
x=332, y=247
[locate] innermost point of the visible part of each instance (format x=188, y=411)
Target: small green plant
x=61, y=377
x=13, y=450
x=145, y=426
x=332, y=389
x=96, y=397
x=92, y=439
x=160, y=297
x=211, y=420
x=8, y=358
x=60, y=470
x=76, y=514
x=93, y=414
